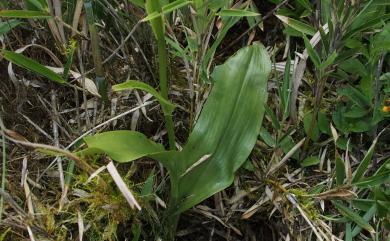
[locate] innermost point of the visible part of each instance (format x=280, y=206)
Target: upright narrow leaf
x=362, y=168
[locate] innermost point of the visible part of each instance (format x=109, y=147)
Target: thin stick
x=56, y=140
x=3, y=173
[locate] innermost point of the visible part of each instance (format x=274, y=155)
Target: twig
x=56, y=140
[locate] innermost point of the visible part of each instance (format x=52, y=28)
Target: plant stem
x=101, y=82
x=3, y=179
x=163, y=73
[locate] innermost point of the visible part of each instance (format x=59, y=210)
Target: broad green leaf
x=24, y=14
x=167, y=106
x=237, y=13
x=362, y=168
x=32, y=65
x=123, y=146
x=297, y=25
x=6, y=26
x=351, y=215
x=227, y=128
x=310, y=161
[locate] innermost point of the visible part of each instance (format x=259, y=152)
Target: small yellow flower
x=386, y=109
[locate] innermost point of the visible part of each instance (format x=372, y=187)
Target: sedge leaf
x=362, y=168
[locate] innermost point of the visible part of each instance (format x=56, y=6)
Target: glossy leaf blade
x=227, y=128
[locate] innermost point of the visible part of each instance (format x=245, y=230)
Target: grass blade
x=237, y=13
x=351, y=215
x=362, y=168
x=32, y=65
x=167, y=106
x=24, y=14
